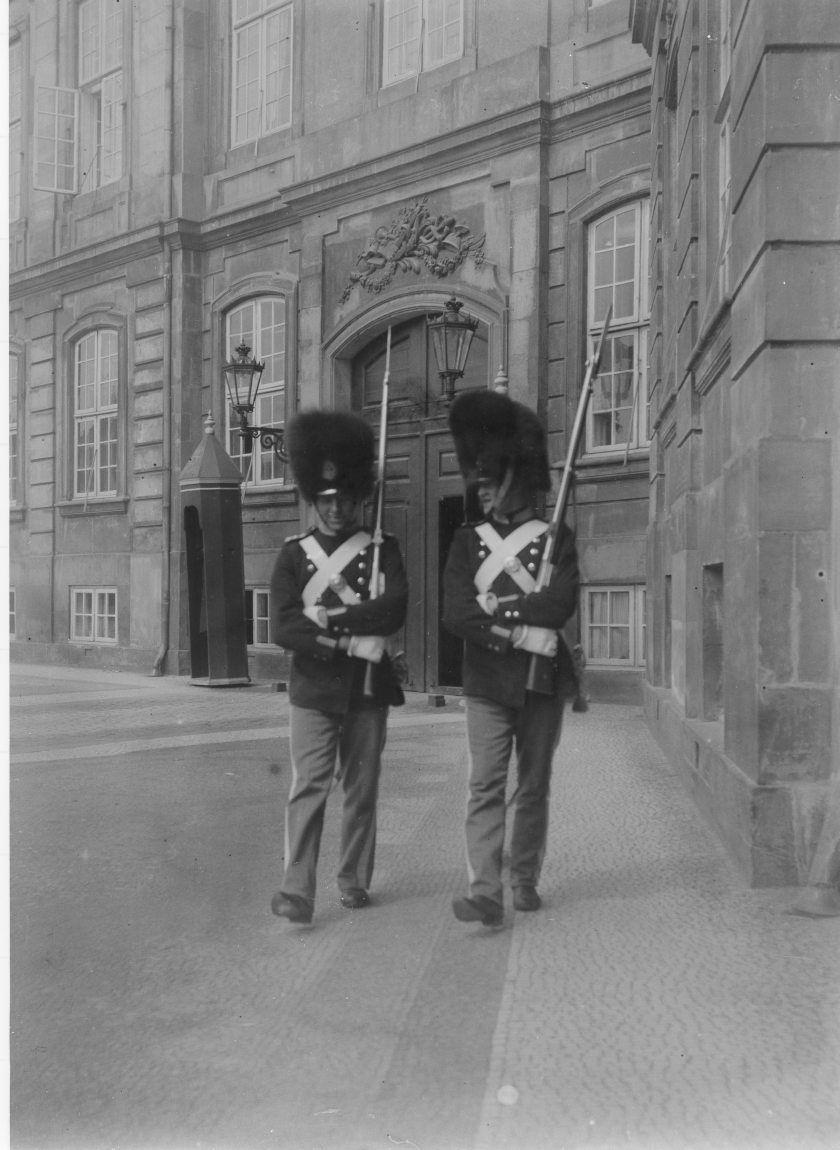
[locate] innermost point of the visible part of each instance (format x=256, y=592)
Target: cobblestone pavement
x=655, y=1003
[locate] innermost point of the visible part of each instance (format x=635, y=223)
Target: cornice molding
x=105, y=255
x=419, y=165
x=426, y=161
x=612, y=103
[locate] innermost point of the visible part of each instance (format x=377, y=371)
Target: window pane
x=97, y=397
x=598, y=606
x=110, y=134
x=89, y=52
x=625, y=227
x=620, y=607
x=246, y=83
x=13, y=466
x=55, y=137
x=107, y=450
x=82, y=624
x=402, y=39
x=278, y=70
x=15, y=79
x=622, y=350
x=623, y=307
x=240, y=328
x=85, y=437
x=619, y=643
x=108, y=369
x=112, y=35
x=106, y=622
x=598, y=643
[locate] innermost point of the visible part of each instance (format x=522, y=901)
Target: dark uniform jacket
x=323, y=677
x=493, y=667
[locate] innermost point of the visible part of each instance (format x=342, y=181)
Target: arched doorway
x=424, y=500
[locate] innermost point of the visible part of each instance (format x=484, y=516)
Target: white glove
x=318, y=615
x=368, y=647
x=537, y=640
x=488, y=602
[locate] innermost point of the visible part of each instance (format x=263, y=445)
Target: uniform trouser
x=492, y=732
x=356, y=739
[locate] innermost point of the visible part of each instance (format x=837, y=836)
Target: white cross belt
x=503, y=551
x=328, y=568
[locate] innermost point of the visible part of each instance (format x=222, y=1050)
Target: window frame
x=633, y=323
x=635, y=626
x=95, y=615
x=14, y=429
x=258, y=15
x=260, y=466
x=101, y=86
x=389, y=78
x=16, y=121
x=723, y=123
x=252, y=593
x=96, y=413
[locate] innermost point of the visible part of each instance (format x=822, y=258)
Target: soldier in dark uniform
x=324, y=613
x=490, y=601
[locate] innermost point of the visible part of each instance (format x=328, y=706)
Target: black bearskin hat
x=331, y=451
x=493, y=432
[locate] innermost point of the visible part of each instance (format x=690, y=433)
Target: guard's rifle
x=380, y=501
x=541, y=667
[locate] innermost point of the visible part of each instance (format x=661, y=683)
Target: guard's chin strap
x=504, y=488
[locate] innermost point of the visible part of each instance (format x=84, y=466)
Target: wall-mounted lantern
x=452, y=335
x=242, y=376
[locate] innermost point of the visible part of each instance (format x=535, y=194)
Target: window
x=261, y=324
x=14, y=448
x=614, y=626
x=617, y=413
x=257, y=626
x=419, y=35
x=12, y=614
x=262, y=69
x=101, y=92
x=88, y=119
x=15, y=120
x=95, y=423
x=93, y=615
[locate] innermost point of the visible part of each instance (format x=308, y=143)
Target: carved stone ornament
x=416, y=239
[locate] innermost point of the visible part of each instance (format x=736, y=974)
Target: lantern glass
x=242, y=376
x=452, y=335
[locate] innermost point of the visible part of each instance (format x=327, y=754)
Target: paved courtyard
x=656, y=1003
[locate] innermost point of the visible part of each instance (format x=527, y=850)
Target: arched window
x=261, y=324
x=617, y=414
x=96, y=395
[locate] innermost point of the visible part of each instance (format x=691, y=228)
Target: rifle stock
x=541, y=667
x=373, y=592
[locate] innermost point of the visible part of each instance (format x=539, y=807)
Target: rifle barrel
x=373, y=590
x=536, y=681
